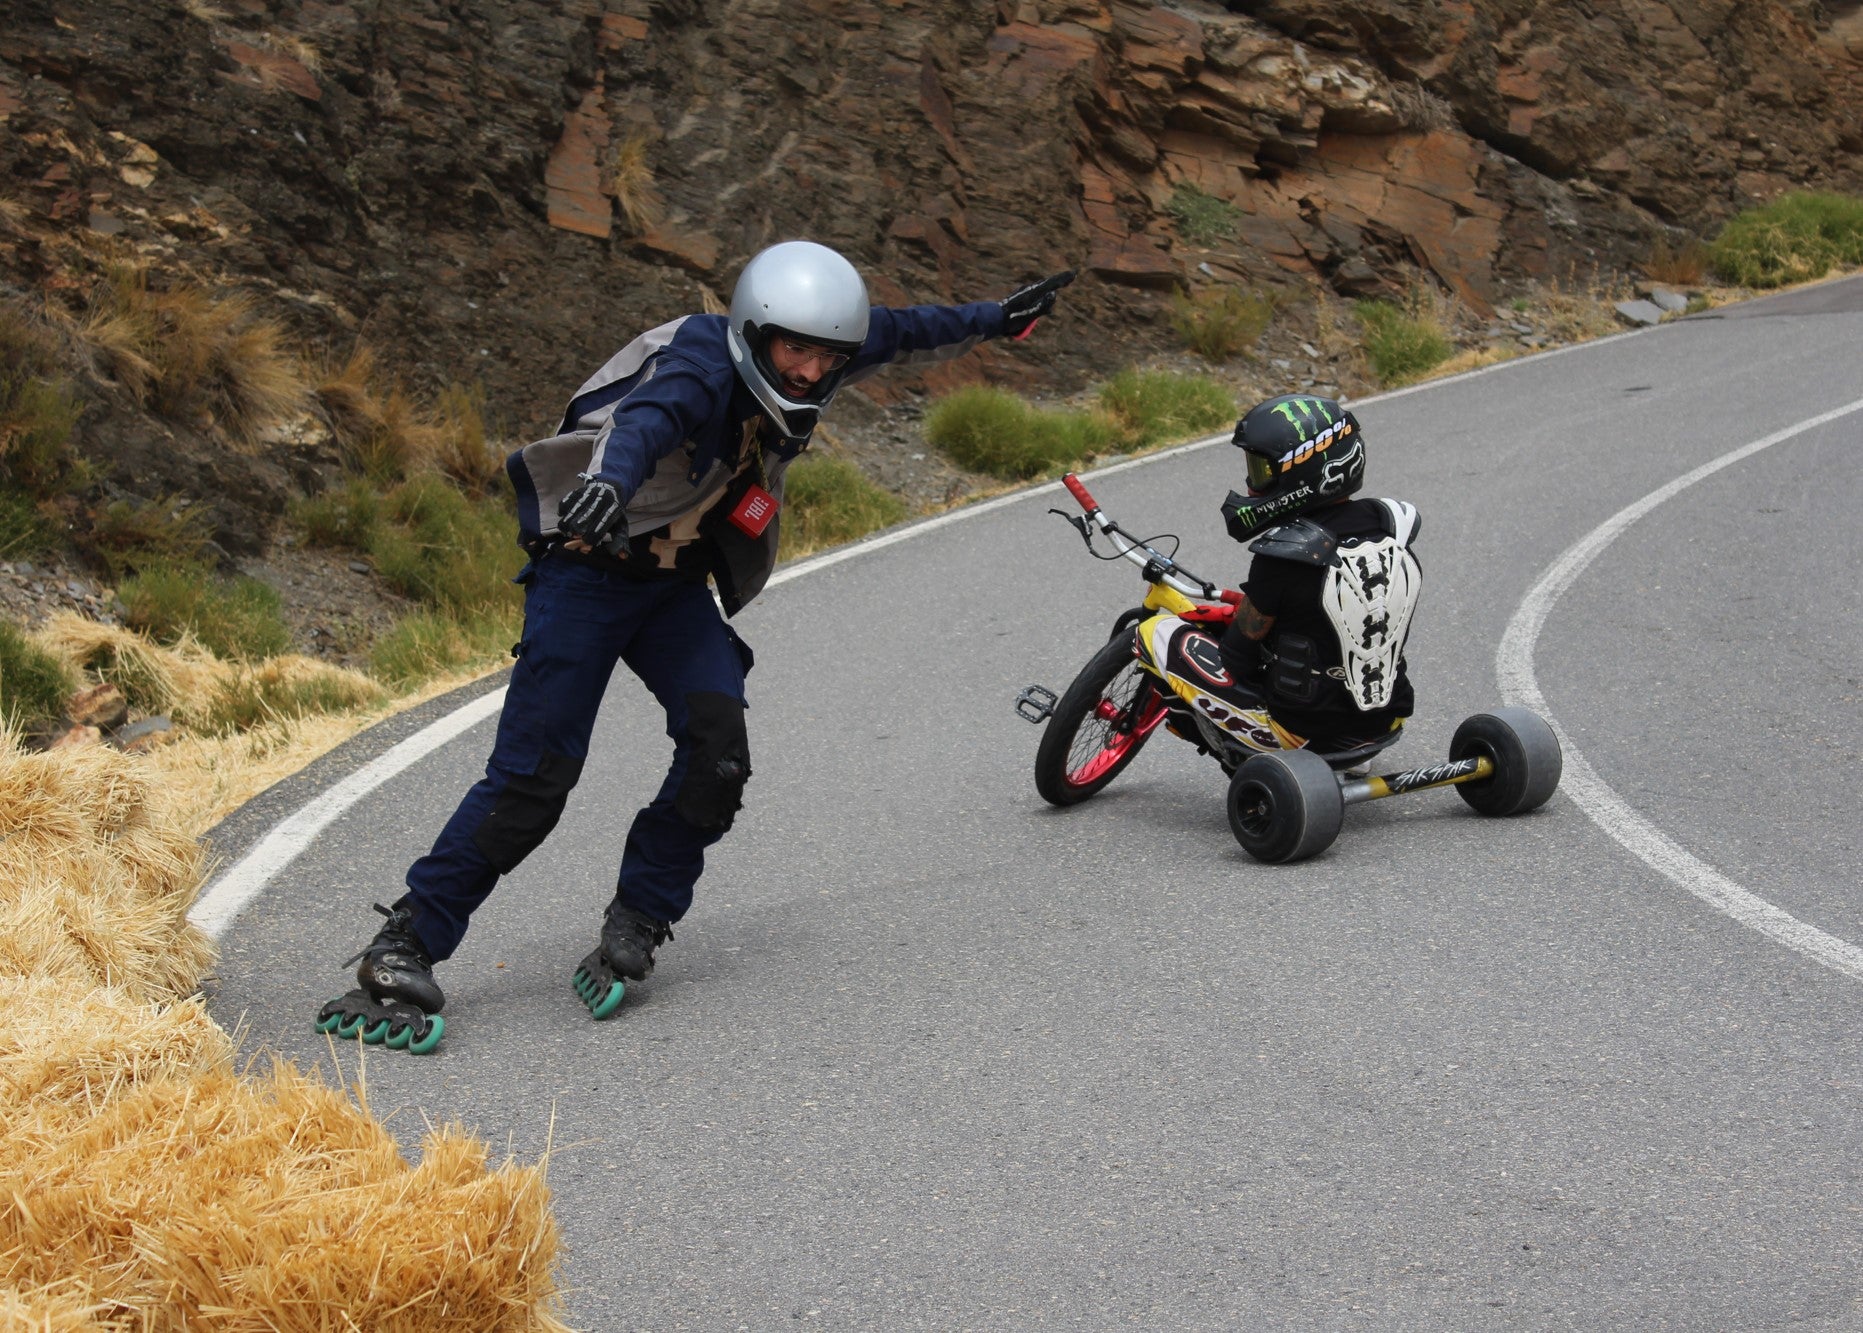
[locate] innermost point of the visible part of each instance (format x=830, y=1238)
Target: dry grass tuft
x=1684, y=267
x=632, y=185
x=174, y=681
x=188, y=683
x=388, y=435
x=195, y=357
x=1577, y=311
x=458, y=443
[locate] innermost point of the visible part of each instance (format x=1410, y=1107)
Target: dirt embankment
x=503, y=193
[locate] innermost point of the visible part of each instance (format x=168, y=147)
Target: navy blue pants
x=579, y=620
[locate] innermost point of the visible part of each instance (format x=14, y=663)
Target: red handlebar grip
x=1076, y=489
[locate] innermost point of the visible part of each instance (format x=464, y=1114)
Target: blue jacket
x=667, y=421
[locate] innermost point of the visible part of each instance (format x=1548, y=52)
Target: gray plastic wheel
x=1526, y=756
x=1285, y=807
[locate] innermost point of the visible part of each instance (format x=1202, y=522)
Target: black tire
x=1081, y=751
x=1526, y=756
x=1285, y=807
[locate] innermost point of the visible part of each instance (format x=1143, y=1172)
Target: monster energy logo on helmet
x=1303, y=451
x=1301, y=412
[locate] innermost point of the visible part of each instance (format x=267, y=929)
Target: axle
x=1355, y=790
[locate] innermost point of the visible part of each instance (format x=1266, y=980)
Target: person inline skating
x=666, y=473
x=1314, y=655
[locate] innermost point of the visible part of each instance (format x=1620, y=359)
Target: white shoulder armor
x=1370, y=594
x=1405, y=521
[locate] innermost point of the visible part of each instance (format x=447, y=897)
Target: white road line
x=1519, y=685
x=215, y=909
x=224, y=898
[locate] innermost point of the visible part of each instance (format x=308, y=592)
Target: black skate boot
x=626, y=954
x=398, y=1003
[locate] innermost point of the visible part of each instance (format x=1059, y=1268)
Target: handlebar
x=1157, y=566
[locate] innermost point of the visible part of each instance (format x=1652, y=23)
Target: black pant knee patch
x=525, y=812
x=712, y=791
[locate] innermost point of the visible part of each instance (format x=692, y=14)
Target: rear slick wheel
x=1285, y=807
x=1526, y=757
x=1097, y=728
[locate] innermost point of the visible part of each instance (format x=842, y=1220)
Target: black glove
x=593, y=513
x=1023, y=307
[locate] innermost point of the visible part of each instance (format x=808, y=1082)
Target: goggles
x=830, y=361
x=1260, y=472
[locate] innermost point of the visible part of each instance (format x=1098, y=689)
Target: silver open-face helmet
x=810, y=294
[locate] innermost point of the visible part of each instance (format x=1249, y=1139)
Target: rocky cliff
x=504, y=192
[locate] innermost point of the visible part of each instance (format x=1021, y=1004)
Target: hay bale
x=50, y=1310
x=80, y=1049
x=215, y=1202
x=95, y=875
x=144, y=1184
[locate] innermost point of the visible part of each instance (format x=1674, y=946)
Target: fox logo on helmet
x=1342, y=473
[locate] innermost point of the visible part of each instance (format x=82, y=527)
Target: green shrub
x=995, y=432
x=1202, y=219
x=828, y=501
x=239, y=618
x=33, y=683
x=453, y=553
x=1156, y=406
x=346, y=518
x=38, y=408
x=1796, y=238
x=427, y=643
x=23, y=529
x=130, y=536
x=1402, y=345
x=1220, y=323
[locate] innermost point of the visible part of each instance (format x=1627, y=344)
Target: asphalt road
x=929, y=1055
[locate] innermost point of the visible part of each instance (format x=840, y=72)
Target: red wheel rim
x=1110, y=741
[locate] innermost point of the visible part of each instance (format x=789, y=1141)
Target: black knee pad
x=712, y=791
x=525, y=812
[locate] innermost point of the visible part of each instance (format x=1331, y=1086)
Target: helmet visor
x=1260, y=472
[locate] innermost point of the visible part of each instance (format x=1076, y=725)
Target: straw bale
x=144, y=1184
x=95, y=878
x=50, y=1309
x=274, y=1203
x=81, y=1048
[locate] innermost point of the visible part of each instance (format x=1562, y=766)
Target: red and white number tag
x=754, y=511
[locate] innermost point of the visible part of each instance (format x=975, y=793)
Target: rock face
x=505, y=192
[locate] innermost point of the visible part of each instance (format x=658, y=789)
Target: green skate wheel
x=328, y=1022
x=372, y=1034
x=398, y=1037
x=350, y=1024
x=431, y=1040
x=604, y=1005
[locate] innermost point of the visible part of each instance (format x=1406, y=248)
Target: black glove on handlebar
x=593, y=513
x=1021, y=308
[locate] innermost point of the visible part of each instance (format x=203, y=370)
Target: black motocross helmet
x=1303, y=452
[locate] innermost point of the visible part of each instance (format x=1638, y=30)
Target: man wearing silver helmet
x=666, y=473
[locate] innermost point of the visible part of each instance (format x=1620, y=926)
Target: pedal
x=1036, y=704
